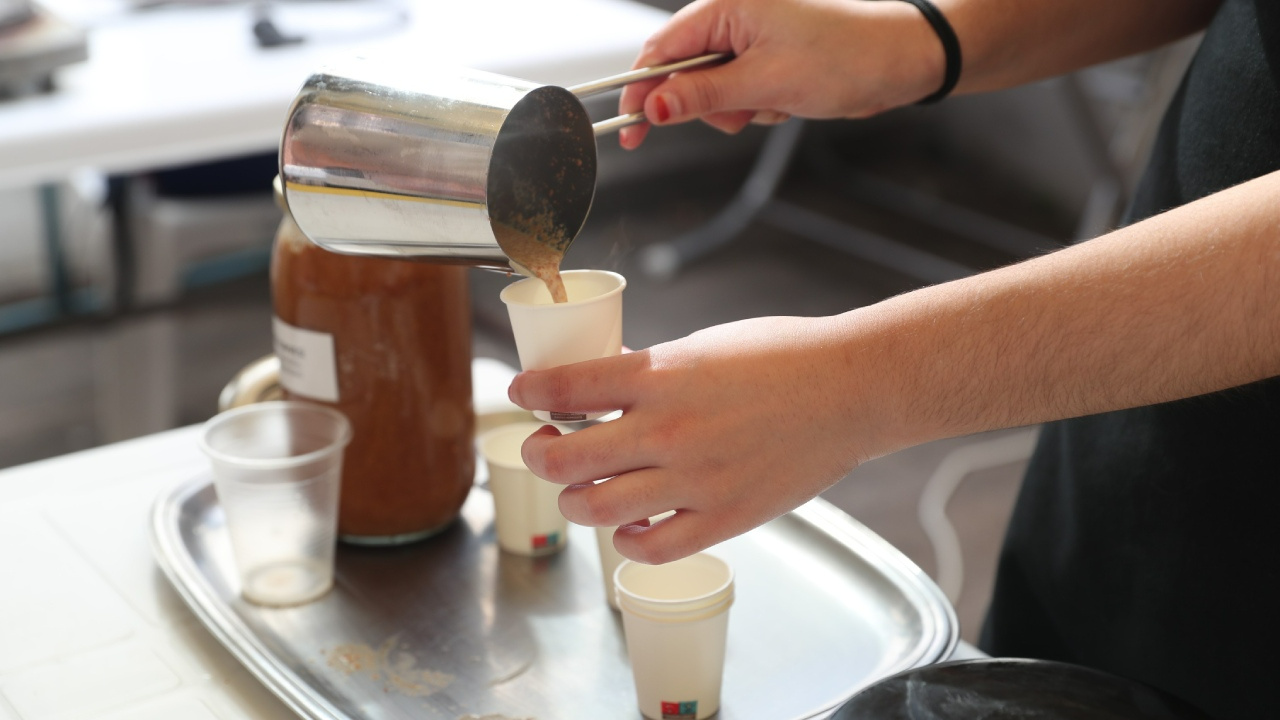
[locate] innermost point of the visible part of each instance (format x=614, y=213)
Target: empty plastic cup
x=277, y=469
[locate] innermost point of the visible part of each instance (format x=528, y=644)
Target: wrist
x=950, y=49
x=916, y=63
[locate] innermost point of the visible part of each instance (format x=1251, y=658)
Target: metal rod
x=587, y=89
x=604, y=127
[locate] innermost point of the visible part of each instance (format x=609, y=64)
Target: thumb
x=691, y=94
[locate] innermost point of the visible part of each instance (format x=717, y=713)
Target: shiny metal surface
x=613, y=82
x=258, y=381
x=452, y=628
x=382, y=159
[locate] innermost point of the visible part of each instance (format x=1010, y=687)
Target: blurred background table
x=150, y=163
x=181, y=83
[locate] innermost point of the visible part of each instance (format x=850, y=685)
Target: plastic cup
x=526, y=508
x=550, y=334
x=676, y=620
x=277, y=468
x=610, y=558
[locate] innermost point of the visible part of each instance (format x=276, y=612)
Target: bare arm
x=737, y=424
x=1184, y=303
x=1010, y=42
x=855, y=58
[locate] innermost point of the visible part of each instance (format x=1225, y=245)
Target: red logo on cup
x=546, y=541
x=685, y=710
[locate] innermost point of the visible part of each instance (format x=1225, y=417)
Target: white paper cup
x=550, y=334
x=610, y=558
x=526, y=508
x=277, y=469
x=676, y=621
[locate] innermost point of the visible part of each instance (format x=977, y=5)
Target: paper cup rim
x=655, y=608
x=487, y=435
x=340, y=442
x=622, y=285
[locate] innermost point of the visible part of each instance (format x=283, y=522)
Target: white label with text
x=307, y=363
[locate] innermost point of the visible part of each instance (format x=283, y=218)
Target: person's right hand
x=809, y=58
x=729, y=427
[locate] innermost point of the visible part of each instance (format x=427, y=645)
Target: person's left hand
x=729, y=427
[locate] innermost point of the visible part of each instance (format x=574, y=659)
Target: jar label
x=307, y=364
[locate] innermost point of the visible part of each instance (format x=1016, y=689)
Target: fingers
x=600, y=385
x=770, y=117
x=693, y=31
x=680, y=535
x=594, y=453
x=630, y=138
x=696, y=29
x=692, y=94
x=730, y=123
x=632, y=100
x=626, y=498
x=633, y=95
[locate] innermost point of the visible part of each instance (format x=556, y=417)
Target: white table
x=185, y=84
x=89, y=626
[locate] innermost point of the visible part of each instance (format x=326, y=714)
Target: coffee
x=536, y=253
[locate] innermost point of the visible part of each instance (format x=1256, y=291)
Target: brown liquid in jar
x=402, y=341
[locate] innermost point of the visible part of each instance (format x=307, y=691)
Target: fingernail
x=662, y=107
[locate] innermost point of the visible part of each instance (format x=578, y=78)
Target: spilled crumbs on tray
x=396, y=668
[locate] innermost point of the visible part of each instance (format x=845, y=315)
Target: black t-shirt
x=1146, y=542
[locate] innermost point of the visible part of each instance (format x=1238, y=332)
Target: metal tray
x=452, y=628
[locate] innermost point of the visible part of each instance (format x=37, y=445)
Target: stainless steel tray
x=452, y=628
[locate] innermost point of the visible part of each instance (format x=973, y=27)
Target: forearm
x=1005, y=43
x=854, y=59
x=1179, y=305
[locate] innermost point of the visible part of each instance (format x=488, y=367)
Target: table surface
x=186, y=83
x=89, y=625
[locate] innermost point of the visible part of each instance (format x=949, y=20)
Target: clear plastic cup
x=277, y=469
x=676, y=621
x=550, y=334
x=526, y=508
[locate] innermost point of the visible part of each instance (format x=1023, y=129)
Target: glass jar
x=387, y=342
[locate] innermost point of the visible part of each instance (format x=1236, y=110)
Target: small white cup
x=550, y=334
x=526, y=508
x=277, y=469
x=610, y=558
x=676, y=620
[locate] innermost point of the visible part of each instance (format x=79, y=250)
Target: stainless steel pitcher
x=421, y=162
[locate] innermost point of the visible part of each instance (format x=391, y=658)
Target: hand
x=730, y=427
x=810, y=58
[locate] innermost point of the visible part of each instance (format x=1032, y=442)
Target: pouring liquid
x=535, y=255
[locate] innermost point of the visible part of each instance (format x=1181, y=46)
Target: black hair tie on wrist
x=950, y=47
